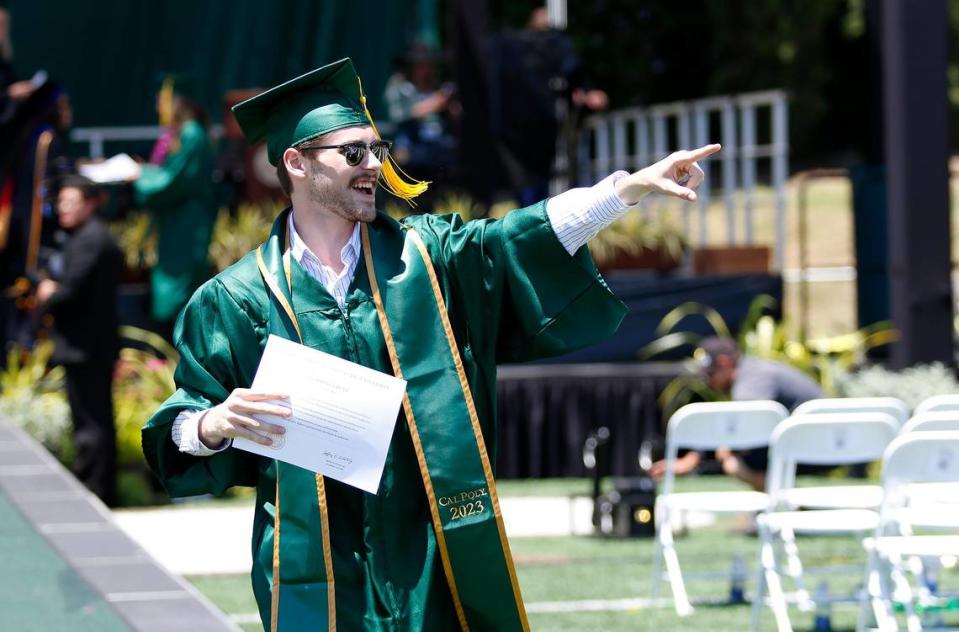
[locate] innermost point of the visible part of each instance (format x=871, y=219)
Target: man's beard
x=340, y=201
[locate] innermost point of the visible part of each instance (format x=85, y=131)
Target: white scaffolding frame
x=632, y=138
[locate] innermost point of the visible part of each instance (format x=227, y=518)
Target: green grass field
x=557, y=574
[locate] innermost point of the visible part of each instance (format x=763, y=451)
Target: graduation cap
x=311, y=105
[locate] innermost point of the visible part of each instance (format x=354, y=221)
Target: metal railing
x=95, y=137
x=635, y=137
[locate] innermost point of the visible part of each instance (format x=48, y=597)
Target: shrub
x=32, y=398
x=911, y=385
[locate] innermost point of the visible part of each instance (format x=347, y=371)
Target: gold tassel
x=394, y=179
x=165, y=103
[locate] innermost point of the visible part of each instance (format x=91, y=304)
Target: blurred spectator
x=421, y=114
x=12, y=92
x=34, y=152
x=744, y=379
x=178, y=191
x=539, y=91
x=82, y=299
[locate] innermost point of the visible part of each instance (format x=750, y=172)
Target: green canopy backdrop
x=107, y=54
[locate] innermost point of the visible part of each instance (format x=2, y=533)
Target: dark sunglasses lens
x=354, y=154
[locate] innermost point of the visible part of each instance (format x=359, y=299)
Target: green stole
x=447, y=438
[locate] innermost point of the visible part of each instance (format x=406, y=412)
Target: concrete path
x=66, y=565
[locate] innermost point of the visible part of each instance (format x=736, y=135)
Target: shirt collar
x=299, y=249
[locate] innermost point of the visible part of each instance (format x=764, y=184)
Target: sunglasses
x=355, y=152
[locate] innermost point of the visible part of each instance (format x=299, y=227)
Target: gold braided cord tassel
x=394, y=179
x=165, y=105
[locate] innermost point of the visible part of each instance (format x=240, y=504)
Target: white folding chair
x=932, y=420
x=892, y=406
x=926, y=499
x=938, y=403
x=930, y=457
x=707, y=426
x=821, y=439
x=845, y=496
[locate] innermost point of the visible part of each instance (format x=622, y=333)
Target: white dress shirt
x=576, y=216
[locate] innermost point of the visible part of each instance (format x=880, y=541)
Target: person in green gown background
x=431, y=299
x=177, y=190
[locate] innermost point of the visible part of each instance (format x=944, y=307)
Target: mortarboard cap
x=316, y=103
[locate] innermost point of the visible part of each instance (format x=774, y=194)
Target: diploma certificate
x=343, y=413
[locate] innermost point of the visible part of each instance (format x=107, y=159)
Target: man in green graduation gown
x=431, y=299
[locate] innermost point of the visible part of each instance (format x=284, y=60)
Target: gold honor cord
x=327, y=551
x=275, y=595
x=474, y=420
x=320, y=483
x=414, y=433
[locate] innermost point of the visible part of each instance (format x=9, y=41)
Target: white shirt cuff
x=578, y=214
x=186, y=434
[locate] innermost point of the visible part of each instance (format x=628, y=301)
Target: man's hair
x=87, y=188
x=286, y=185
x=716, y=346
x=281, y=174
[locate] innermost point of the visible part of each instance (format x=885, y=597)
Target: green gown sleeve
x=162, y=185
x=518, y=289
x=219, y=345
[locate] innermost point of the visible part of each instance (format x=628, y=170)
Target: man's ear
x=294, y=162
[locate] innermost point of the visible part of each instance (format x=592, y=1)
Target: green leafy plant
x=142, y=381
x=911, y=385
x=32, y=397
x=234, y=236
x=762, y=336
x=137, y=241
x=460, y=203
x=452, y=201
x=631, y=234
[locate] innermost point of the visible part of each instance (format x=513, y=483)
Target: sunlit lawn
x=553, y=570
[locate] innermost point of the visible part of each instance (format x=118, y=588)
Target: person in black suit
x=83, y=302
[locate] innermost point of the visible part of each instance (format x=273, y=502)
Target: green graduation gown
x=512, y=293
x=179, y=196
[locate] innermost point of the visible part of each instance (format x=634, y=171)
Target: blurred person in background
x=12, y=91
x=177, y=189
x=35, y=152
x=743, y=378
x=421, y=113
x=82, y=298
x=540, y=90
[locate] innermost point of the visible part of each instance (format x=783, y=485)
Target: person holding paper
x=433, y=301
x=178, y=191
